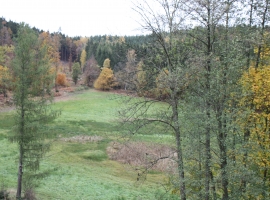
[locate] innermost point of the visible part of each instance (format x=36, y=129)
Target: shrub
x=144, y=155
x=29, y=194
x=61, y=79
x=4, y=195
x=5, y=80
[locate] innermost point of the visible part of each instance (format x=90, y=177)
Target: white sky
x=75, y=17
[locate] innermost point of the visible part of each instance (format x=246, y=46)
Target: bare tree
x=163, y=22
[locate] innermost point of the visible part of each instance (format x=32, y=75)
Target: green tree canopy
x=76, y=71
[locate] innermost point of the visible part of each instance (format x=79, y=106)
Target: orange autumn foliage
x=61, y=79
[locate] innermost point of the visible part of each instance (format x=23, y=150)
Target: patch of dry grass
x=149, y=156
x=82, y=138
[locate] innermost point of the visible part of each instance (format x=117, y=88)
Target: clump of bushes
x=61, y=79
x=4, y=194
x=29, y=194
x=143, y=155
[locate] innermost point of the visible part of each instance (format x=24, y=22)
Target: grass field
x=76, y=168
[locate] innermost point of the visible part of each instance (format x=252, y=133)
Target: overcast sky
x=74, y=17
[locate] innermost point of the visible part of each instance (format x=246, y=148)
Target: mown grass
x=82, y=170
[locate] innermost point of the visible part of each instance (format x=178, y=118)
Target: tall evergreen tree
x=32, y=86
x=76, y=71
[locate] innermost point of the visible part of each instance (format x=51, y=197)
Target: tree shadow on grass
x=81, y=127
x=95, y=151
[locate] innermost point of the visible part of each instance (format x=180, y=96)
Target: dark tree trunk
x=208, y=109
x=20, y=167
x=223, y=161
x=20, y=173
x=179, y=148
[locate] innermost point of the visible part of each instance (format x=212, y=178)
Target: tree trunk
x=208, y=116
x=264, y=20
x=221, y=116
x=55, y=81
x=182, y=186
x=223, y=161
x=207, y=160
x=20, y=168
x=20, y=173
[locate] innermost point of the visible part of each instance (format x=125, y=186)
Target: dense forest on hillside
x=70, y=48
x=206, y=62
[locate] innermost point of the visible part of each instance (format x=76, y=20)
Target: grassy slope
x=81, y=170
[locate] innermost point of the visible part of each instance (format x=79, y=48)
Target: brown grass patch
x=82, y=139
x=149, y=156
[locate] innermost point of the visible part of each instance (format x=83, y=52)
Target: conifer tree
x=105, y=80
x=76, y=72
x=32, y=86
x=83, y=59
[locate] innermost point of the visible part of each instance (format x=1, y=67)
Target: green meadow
x=78, y=165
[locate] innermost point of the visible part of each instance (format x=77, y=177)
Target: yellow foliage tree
x=256, y=82
x=5, y=76
x=105, y=81
x=83, y=58
x=141, y=79
x=6, y=54
x=2, y=55
x=5, y=79
x=52, y=44
x=256, y=101
x=107, y=63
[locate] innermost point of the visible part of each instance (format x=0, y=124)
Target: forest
x=201, y=76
